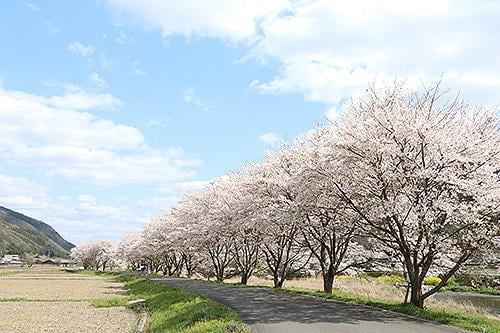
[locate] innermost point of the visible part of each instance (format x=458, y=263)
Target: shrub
x=432, y=280
x=391, y=279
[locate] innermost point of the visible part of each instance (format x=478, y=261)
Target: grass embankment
x=457, y=318
x=434, y=280
x=463, y=289
x=175, y=310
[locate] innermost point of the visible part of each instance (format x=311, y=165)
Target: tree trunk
x=190, y=264
x=277, y=281
x=189, y=270
x=244, y=278
x=278, y=284
x=219, y=273
x=416, y=294
x=328, y=278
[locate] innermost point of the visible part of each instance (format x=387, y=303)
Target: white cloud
x=190, y=96
x=170, y=192
x=19, y=192
x=98, y=80
x=122, y=38
x=32, y=6
x=182, y=187
x=83, y=101
x=233, y=20
x=53, y=122
x=92, y=208
x=79, y=48
x=136, y=70
x=104, y=167
x=105, y=61
x=66, y=86
x=270, y=138
x=332, y=113
x=157, y=122
x=331, y=49
x=52, y=27
x=86, y=198
x=80, y=146
x=76, y=220
x=161, y=203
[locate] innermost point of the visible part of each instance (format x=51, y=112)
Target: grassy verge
x=13, y=299
x=175, y=310
x=457, y=318
x=461, y=288
x=109, y=302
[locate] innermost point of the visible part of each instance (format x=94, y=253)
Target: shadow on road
x=272, y=311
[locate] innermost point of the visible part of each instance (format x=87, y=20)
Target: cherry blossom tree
x=245, y=233
x=329, y=226
x=129, y=250
x=211, y=216
x=421, y=171
x=276, y=215
x=246, y=251
x=95, y=255
x=160, y=242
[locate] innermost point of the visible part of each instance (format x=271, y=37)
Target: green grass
x=13, y=299
x=109, y=302
x=9, y=273
x=457, y=318
x=175, y=310
x=462, y=288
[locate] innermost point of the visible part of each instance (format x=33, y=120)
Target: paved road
x=268, y=311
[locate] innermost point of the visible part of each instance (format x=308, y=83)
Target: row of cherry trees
x=406, y=178
x=100, y=254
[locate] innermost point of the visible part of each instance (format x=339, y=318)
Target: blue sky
x=110, y=109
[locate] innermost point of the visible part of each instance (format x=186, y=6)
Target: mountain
x=22, y=234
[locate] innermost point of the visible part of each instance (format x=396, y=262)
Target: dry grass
x=362, y=287
x=45, y=299
x=470, y=308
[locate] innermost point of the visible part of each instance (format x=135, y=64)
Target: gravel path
x=268, y=311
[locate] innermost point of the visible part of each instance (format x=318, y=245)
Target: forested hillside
x=21, y=234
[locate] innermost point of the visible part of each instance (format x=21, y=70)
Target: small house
x=11, y=259
x=45, y=261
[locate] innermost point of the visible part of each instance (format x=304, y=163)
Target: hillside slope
x=20, y=234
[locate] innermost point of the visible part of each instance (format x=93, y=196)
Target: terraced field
x=41, y=299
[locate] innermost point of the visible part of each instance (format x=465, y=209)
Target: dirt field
x=42, y=299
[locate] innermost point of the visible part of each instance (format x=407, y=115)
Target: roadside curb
x=142, y=321
x=140, y=304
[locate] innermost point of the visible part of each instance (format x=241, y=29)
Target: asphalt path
x=268, y=311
